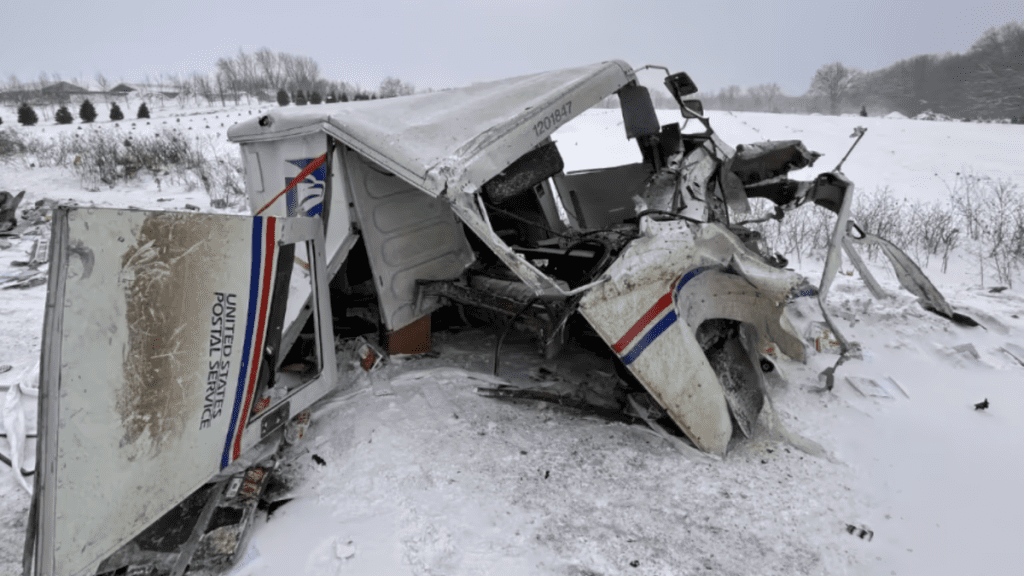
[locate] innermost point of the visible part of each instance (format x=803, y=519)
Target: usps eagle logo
x=306, y=198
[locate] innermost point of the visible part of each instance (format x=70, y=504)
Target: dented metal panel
x=153, y=338
x=409, y=236
x=452, y=140
x=662, y=287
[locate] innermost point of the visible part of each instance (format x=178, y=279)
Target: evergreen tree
x=87, y=112
x=331, y=98
x=115, y=112
x=63, y=116
x=26, y=115
x=282, y=97
x=143, y=111
x=300, y=98
x=315, y=98
x=344, y=97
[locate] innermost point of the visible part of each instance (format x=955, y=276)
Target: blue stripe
x=663, y=324
x=687, y=277
x=649, y=338
x=243, y=369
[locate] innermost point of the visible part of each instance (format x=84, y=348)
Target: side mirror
x=638, y=115
x=680, y=84
x=692, y=109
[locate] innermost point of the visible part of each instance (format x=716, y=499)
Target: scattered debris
x=997, y=289
x=8, y=462
x=819, y=335
x=40, y=213
x=371, y=357
x=868, y=387
x=898, y=387
x=967, y=350
x=511, y=392
x=645, y=406
x=40, y=252
x=271, y=507
x=8, y=209
x=192, y=207
x=1014, y=351
x=983, y=405
x=319, y=460
x=861, y=532
x=29, y=279
x=5, y=368
x=296, y=428
x=344, y=550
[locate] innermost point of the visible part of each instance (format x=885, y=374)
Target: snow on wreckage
x=405, y=206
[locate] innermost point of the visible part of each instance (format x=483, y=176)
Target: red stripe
x=257, y=361
x=291, y=184
x=662, y=303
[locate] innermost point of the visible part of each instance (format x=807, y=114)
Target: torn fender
x=715, y=293
x=659, y=291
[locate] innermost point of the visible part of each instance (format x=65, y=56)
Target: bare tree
x=833, y=81
x=391, y=87
x=184, y=89
x=227, y=73
x=13, y=89
x=220, y=88
x=727, y=97
x=289, y=71
x=307, y=73
x=247, y=74
x=104, y=85
x=47, y=100
x=269, y=67
x=201, y=86
x=764, y=95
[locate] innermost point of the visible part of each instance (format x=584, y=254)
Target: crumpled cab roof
x=452, y=140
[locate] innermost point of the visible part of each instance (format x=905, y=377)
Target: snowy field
x=436, y=480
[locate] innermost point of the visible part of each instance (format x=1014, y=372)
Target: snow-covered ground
x=434, y=479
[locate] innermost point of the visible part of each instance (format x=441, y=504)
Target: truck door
x=153, y=348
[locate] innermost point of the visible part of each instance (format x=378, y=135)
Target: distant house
x=63, y=88
x=121, y=89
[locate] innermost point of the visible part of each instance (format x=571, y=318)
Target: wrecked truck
x=381, y=213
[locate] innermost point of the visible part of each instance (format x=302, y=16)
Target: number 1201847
x=553, y=119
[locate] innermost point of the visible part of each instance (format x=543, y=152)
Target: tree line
x=985, y=82
x=258, y=75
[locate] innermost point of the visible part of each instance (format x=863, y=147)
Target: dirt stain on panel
x=157, y=276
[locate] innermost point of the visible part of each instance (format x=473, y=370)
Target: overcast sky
x=442, y=43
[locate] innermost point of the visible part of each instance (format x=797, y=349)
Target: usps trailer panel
x=154, y=328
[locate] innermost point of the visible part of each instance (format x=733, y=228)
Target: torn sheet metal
x=660, y=290
x=908, y=273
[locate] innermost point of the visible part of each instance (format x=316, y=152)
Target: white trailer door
x=152, y=346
